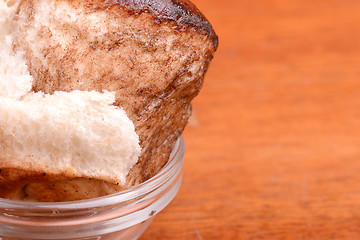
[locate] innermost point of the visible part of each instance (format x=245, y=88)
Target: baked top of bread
x=182, y=13
x=152, y=55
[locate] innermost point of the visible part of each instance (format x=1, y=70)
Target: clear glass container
x=124, y=215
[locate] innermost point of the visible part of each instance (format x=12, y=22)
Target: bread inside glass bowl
x=122, y=72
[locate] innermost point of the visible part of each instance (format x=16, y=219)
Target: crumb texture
x=75, y=134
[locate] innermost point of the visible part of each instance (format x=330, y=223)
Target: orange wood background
x=273, y=147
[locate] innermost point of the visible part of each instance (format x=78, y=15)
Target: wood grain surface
x=273, y=147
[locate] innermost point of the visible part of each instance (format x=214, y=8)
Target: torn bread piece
x=152, y=54
x=75, y=134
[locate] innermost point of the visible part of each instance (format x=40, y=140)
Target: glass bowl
x=124, y=215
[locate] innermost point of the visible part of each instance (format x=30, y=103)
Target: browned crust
x=182, y=13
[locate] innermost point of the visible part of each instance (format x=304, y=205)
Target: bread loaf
x=152, y=55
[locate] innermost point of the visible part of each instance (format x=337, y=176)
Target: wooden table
x=273, y=148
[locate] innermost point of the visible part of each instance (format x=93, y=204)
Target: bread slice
x=152, y=54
